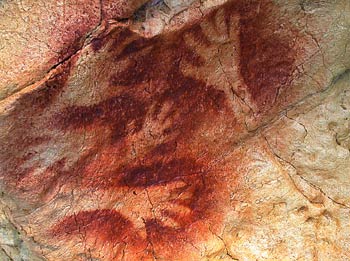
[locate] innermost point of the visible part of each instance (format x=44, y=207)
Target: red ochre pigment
x=266, y=63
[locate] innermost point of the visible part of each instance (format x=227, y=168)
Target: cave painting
x=152, y=178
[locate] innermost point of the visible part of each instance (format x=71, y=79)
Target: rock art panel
x=169, y=147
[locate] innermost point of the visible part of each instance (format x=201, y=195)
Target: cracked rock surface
x=175, y=130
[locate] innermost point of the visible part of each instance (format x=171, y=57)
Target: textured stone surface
x=175, y=130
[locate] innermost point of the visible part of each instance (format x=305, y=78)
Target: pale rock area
x=153, y=144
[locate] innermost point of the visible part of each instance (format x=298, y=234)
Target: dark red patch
x=159, y=172
x=267, y=57
x=104, y=225
x=123, y=114
x=198, y=35
x=98, y=42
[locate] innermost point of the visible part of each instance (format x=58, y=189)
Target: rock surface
x=175, y=130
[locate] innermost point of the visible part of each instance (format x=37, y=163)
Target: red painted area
x=153, y=90
x=189, y=103
x=117, y=113
x=159, y=61
x=22, y=135
x=267, y=57
x=108, y=225
x=194, y=202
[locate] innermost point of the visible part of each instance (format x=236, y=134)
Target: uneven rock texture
x=175, y=130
